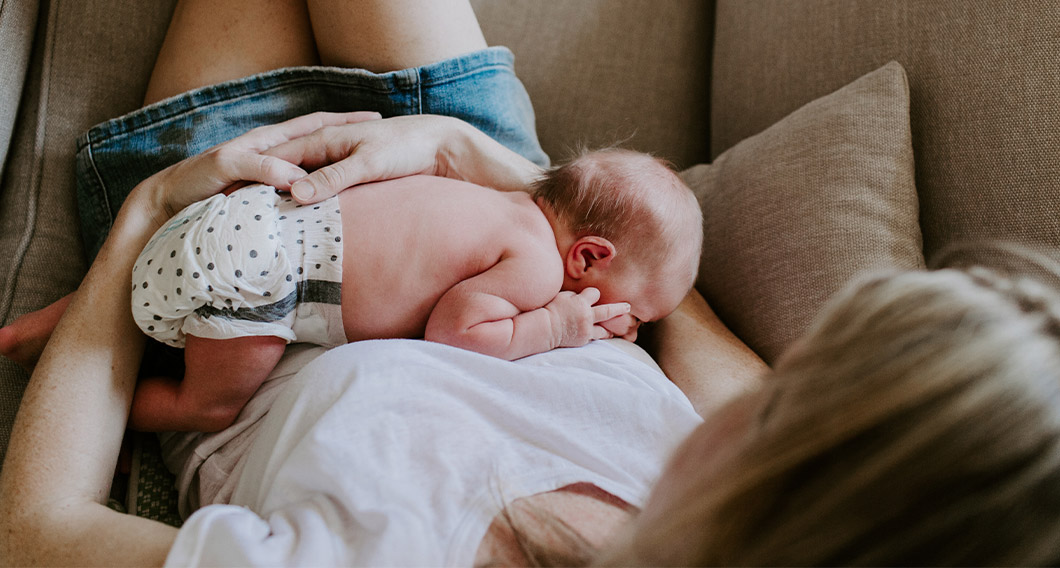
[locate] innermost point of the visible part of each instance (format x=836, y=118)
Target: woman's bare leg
x=210, y=41
x=386, y=35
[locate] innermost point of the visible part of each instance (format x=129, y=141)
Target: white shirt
x=400, y=453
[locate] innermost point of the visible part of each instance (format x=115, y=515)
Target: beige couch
x=826, y=160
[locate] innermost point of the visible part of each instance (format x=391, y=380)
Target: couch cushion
x=794, y=213
x=985, y=97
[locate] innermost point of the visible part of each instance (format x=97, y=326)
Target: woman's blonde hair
x=918, y=422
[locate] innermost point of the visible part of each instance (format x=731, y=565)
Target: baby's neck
x=564, y=236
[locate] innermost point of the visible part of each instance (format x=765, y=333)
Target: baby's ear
x=588, y=254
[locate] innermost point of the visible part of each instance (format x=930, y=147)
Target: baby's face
x=651, y=293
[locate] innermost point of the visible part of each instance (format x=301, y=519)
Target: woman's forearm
x=346, y=155
x=66, y=437
x=702, y=356
x=471, y=155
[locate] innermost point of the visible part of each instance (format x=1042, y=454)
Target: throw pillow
x=794, y=213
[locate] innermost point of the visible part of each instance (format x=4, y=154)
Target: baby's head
x=628, y=226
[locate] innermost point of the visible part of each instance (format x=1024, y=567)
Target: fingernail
x=302, y=190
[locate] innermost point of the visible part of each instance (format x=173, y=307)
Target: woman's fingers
x=242, y=159
x=343, y=157
x=215, y=171
x=263, y=138
x=331, y=179
x=352, y=154
x=349, y=155
x=265, y=169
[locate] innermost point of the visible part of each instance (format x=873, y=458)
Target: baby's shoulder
x=521, y=213
x=533, y=245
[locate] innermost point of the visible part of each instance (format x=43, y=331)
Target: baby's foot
x=23, y=341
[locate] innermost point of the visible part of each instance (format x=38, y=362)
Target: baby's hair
x=630, y=198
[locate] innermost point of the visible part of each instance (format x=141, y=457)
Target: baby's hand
x=576, y=320
x=624, y=326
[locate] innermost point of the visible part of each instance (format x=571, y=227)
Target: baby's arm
x=509, y=312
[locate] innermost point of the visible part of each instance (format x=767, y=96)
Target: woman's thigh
x=209, y=42
x=393, y=34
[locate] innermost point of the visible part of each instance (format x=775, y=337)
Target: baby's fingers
x=604, y=312
x=600, y=333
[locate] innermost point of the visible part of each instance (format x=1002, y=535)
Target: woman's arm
x=348, y=155
x=702, y=357
x=66, y=437
x=65, y=441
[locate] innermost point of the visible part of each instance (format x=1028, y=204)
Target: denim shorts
x=480, y=88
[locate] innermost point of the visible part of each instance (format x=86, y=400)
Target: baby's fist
x=575, y=318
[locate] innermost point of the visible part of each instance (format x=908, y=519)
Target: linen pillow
x=794, y=213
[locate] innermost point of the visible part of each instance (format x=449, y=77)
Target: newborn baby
x=600, y=245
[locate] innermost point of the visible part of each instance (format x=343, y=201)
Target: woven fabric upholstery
x=606, y=71
x=985, y=97
x=794, y=213
x=17, y=23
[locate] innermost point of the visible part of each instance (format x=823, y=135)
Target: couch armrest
x=18, y=20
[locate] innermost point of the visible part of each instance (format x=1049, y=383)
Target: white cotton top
x=400, y=453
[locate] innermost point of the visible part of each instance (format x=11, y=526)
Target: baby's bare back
x=408, y=241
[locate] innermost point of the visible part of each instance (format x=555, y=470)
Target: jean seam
x=99, y=188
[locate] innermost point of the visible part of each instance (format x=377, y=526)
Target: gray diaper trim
x=316, y=291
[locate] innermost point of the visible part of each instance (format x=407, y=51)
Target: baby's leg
x=210, y=41
x=220, y=377
x=23, y=341
x=386, y=35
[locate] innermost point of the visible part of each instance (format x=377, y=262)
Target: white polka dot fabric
x=251, y=263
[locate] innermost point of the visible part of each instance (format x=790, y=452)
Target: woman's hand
x=350, y=154
x=241, y=159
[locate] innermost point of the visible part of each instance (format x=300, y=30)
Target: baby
x=600, y=245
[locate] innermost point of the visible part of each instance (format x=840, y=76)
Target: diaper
x=248, y=264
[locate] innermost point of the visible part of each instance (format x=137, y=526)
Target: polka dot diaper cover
x=252, y=263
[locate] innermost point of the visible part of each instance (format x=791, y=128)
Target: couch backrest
x=984, y=81
x=607, y=71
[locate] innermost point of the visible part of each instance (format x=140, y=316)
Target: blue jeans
x=480, y=88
